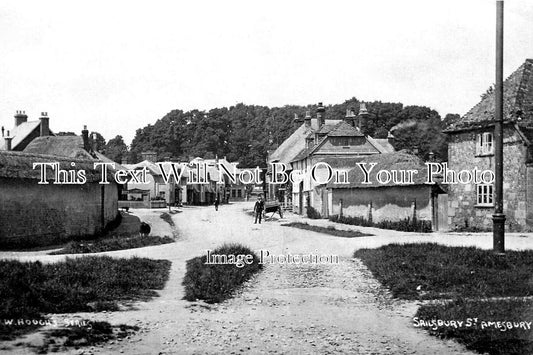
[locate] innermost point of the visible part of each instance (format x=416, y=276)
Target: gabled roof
x=382, y=145
x=517, y=102
x=291, y=146
x=20, y=132
x=152, y=167
x=389, y=161
x=340, y=129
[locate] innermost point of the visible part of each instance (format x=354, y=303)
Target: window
x=485, y=195
x=485, y=144
x=239, y=193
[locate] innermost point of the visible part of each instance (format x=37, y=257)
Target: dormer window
x=485, y=144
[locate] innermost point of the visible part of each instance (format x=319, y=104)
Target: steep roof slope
x=291, y=146
x=517, y=101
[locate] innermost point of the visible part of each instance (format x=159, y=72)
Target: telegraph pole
x=498, y=218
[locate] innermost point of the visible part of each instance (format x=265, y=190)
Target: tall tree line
x=247, y=133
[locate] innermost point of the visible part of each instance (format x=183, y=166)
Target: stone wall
x=462, y=204
x=32, y=214
x=390, y=203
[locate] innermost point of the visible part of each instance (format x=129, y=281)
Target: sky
x=117, y=66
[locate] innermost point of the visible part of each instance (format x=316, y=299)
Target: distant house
x=156, y=189
x=471, y=144
x=340, y=142
x=24, y=131
x=33, y=214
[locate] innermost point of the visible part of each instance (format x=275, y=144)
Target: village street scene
x=224, y=179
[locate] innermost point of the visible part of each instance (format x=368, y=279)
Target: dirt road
x=285, y=309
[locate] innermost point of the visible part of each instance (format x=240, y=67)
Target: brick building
x=471, y=145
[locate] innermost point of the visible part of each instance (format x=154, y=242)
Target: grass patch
x=84, y=284
x=404, y=225
x=509, y=337
x=327, y=230
x=439, y=271
x=215, y=282
x=469, y=276
x=113, y=243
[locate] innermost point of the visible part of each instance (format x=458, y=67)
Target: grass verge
x=404, y=225
x=327, y=230
x=84, y=284
x=429, y=271
x=468, y=276
x=113, y=243
x=486, y=326
x=216, y=282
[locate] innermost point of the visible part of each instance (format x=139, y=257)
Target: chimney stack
x=363, y=116
x=20, y=117
x=85, y=136
x=350, y=117
x=8, y=140
x=307, y=119
x=390, y=138
x=2, y=131
x=45, y=124
x=320, y=114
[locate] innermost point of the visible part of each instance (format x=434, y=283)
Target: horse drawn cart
x=273, y=207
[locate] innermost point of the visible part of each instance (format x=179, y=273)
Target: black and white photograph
x=266, y=177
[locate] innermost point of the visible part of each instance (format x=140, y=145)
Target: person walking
x=258, y=209
x=217, y=202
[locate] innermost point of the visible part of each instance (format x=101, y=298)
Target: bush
x=215, y=282
x=404, y=225
x=312, y=213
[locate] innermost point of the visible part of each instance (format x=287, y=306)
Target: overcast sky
x=119, y=65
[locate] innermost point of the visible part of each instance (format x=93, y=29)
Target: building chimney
x=45, y=124
x=390, y=138
x=94, y=145
x=124, y=160
x=8, y=140
x=2, y=131
x=350, y=117
x=85, y=136
x=362, y=117
x=320, y=114
x=20, y=117
x=307, y=119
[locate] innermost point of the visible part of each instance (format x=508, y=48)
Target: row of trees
x=247, y=133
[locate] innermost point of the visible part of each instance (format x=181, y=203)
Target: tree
x=116, y=149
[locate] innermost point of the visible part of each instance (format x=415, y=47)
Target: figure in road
x=258, y=209
x=217, y=202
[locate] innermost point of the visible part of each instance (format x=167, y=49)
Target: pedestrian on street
x=217, y=201
x=258, y=209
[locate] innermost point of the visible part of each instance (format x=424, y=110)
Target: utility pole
x=498, y=218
